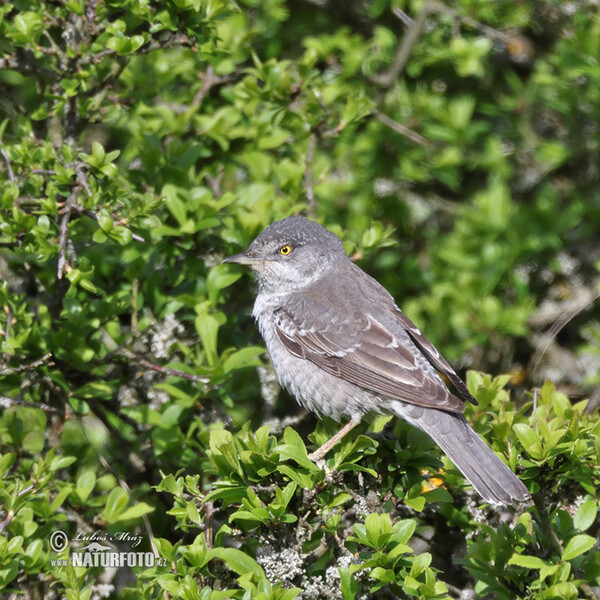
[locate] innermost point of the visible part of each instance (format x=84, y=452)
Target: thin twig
x=164, y=370
x=440, y=7
x=63, y=232
x=403, y=17
x=215, y=182
x=309, y=183
x=558, y=325
x=135, y=287
x=42, y=172
x=8, y=324
x=82, y=179
x=171, y=42
x=28, y=367
x=401, y=129
x=11, y=175
x=387, y=78
x=8, y=402
x=209, y=80
x=208, y=511
x=126, y=487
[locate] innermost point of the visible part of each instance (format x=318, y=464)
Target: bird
x=341, y=346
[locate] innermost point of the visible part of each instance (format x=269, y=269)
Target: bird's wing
x=361, y=350
x=432, y=354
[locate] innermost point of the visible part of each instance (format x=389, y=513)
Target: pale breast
x=315, y=389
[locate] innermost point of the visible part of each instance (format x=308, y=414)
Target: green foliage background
x=454, y=148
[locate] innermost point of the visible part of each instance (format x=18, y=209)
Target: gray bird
x=342, y=347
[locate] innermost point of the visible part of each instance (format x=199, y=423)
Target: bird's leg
x=317, y=455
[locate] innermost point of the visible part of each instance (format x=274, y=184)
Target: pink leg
x=318, y=454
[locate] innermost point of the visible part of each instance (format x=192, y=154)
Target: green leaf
x=62, y=462
x=6, y=462
x=207, y=327
x=585, y=515
x=59, y=498
x=134, y=512
x=348, y=585
x=529, y=439
x=529, y=562
x=239, y=561
x=85, y=484
x=244, y=358
x=578, y=545
x=293, y=447
x=219, y=277
x=417, y=503
x=116, y=502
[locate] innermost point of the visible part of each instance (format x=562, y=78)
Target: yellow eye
x=285, y=250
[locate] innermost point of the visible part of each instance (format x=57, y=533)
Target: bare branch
x=209, y=81
x=308, y=172
x=588, y=297
x=215, y=182
x=8, y=323
x=42, y=172
x=28, y=367
x=82, y=179
x=401, y=129
x=403, y=17
x=387, y=78
x=208, y=511
x=494, y=34
x=9, y=171
x=63, y=232
x=164, y=370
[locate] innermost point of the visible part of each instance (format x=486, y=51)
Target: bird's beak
x=242, y=259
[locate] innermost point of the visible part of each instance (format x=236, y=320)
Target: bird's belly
x=315, y=389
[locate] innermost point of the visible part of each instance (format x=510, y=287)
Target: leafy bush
x=453, y=147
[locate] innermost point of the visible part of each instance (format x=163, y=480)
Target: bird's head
x=291, y=254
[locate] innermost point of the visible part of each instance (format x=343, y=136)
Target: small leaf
x=116, y=502
x=133, y=512
x=585, y=515
x=85, y=484
x=293, y=447
x=62, y=462
x=529, y=562
x=578, y=545
x=239, y=561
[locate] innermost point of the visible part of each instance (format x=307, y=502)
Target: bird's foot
x=321, y=464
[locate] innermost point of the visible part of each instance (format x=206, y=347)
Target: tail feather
x=493, y=480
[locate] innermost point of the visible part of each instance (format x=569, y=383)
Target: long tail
x=492, y=479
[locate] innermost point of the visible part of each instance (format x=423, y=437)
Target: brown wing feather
x=367, y=355
x=434, y=357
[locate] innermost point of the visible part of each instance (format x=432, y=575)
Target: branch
x=308, y=172
x=209, y=80
x=63, y=230
x=387, y=78
x=8, y=323
x=587, y=298
x=28, y=367
x=215, y=182
x=401, y=129
x=440, y=7
x=11, y=175
x=164, y=370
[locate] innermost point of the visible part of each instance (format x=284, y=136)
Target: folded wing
x=361, y=350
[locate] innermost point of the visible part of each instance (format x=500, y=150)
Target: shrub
x=453, y=147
